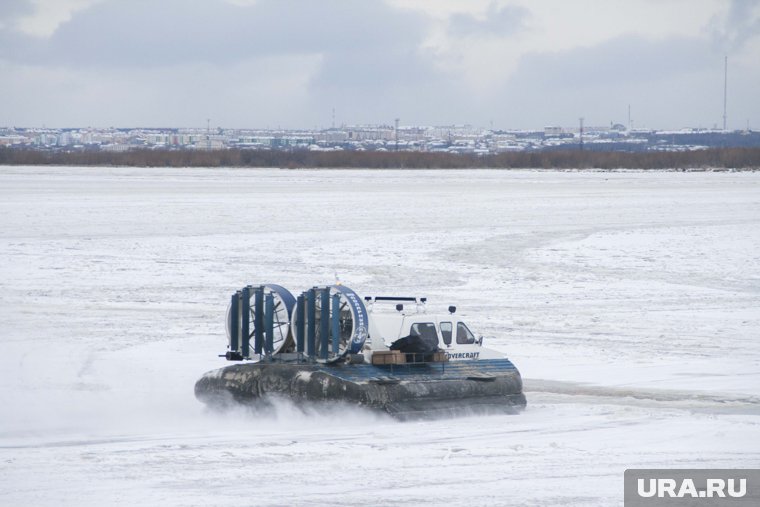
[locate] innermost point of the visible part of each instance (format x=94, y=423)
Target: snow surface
x=630, y=301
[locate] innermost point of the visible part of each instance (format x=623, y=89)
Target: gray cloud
x=12, y=9
x=499, y=21
x=741, y=23
x=367, y=48
x=289, y=62
x=369, y=65
x=143, y=33
x=626, y=59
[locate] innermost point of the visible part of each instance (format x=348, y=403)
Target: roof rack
x=417, y=300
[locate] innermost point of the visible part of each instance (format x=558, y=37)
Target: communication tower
x=397, y=120
x=725, y=89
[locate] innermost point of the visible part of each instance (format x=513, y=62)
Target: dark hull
x=449, y=388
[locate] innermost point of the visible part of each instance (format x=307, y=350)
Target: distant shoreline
x=714, y=158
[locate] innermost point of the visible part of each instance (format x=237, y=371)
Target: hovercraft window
x=464, y=335
x=426, y=331
x=446, y=332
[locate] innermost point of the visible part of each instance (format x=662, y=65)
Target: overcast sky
x=288, y=63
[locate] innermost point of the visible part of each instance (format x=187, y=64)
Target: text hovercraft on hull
x=386, y=353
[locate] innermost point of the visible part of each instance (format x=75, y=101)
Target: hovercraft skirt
x=400, y=390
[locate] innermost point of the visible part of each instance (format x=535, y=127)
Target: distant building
x=114, y=147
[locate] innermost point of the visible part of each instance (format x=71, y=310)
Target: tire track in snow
x=664, y=398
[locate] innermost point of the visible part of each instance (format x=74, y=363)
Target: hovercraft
x=382, y=352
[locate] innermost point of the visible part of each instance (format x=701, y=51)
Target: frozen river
x=630, y=301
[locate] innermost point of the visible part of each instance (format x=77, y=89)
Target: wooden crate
x=440, y=357
x=388, y=357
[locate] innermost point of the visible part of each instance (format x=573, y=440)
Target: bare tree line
x=735, y=158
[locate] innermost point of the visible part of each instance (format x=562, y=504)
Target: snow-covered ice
x=630, y=301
